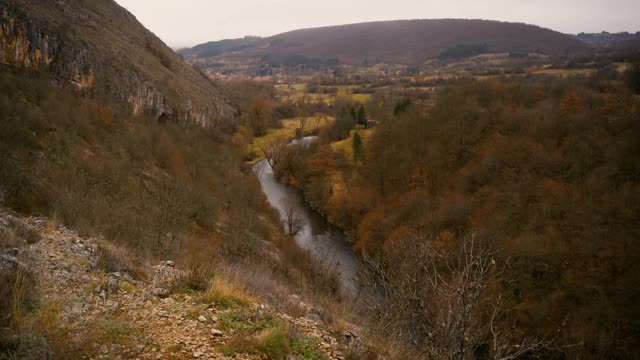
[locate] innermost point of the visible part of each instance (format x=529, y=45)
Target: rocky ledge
x=142, y=317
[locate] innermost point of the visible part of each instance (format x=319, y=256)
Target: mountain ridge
x=400, y=41
x=102, y=49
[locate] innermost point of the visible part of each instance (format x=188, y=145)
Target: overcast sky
x=189, y=22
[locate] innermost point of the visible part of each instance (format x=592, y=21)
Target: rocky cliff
x=100, y=48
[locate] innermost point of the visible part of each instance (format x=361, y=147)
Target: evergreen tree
x=362, y=118
x=357, y=148
x=401, y=106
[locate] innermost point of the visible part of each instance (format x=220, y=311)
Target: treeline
x=462, y=51
x=544, y=169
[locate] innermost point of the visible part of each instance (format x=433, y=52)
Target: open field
x=565, y=72
x=294, y=92
x=286, y=133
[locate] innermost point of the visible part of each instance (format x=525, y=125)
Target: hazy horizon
x=190, y=22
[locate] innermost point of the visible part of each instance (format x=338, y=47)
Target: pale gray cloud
x=189, y=22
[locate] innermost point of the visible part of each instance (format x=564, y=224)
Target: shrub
x=196, y=278
x=24, y=347
x=118, y=259
x=17, y=235
x=164, y=55
x=17, y=185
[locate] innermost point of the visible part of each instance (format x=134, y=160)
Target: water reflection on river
x=323, y=240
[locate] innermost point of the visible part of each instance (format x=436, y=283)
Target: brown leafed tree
x=259, y=115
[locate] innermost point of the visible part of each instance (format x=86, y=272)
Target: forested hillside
x=408, y=42
x=545, y=170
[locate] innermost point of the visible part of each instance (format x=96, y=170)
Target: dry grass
x=53, y=223
x=227, y=294
x=17, y=236
x=8, y=239
x=17, y=295
x=196, y=278
x=273, y=342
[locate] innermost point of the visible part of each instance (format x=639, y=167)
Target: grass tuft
x=307, y=348
x=273, y=342
x=225, y=294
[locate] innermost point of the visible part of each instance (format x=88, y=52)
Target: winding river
x=316, y=235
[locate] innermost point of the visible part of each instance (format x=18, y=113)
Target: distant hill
x=215, y=48
x=100, y=48
x=611, y=40
x=398, y=42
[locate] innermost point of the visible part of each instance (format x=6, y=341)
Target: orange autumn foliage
x=572, y=104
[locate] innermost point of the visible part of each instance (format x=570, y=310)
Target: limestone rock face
x=22, y=44
x=98, y=47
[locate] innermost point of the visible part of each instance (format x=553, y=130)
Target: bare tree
x=303, y=123
x=169, y=214
x=273, y=152
x=447, y=306
x=293, y=221
x=508, y=343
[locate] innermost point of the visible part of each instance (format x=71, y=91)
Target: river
x=316, y=235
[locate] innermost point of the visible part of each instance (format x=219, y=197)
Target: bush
x=196, y=278
x=164, y=55
x=24, y=347
x=116, y=259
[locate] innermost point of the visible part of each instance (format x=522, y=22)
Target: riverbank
x=290, y=130
x=327, y=244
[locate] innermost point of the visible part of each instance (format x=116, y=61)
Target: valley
x=413, y=189
x=490, y=184
x=325, y=243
